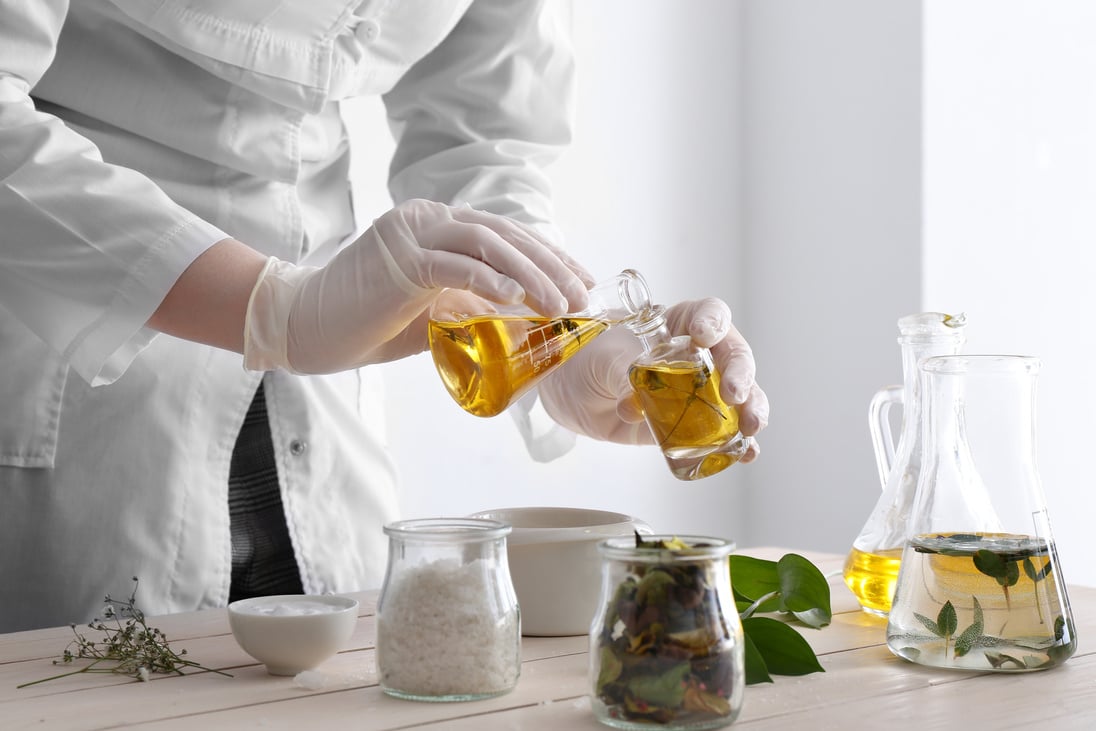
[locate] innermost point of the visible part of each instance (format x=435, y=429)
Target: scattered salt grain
x=322, y=680
x=312, y=680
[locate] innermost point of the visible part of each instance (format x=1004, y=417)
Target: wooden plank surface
x=864, y=684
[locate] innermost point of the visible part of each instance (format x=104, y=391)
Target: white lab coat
x=135, y=137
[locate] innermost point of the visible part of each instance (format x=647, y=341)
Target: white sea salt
x=442, y=632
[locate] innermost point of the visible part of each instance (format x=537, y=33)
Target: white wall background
x=826, y=167
x=1010, y=215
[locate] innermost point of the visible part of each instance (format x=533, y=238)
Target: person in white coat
x=174, y=195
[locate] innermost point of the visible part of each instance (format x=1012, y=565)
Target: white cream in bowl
x=291, y=633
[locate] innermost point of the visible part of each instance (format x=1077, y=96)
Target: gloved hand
x=369, y=303
x=591, y=395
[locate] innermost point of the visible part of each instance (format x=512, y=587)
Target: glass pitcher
x=980, y=585
x=488, y=355
x=871, y=568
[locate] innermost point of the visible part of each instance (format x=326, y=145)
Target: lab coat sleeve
x=87, y=249
x=479, y=118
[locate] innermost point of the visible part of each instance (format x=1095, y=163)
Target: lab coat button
x=297, y=447
x=368, y=31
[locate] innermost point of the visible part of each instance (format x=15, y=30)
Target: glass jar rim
x=700, y=548
x=448, y=530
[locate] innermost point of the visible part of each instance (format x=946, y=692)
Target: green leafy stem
x=946, y=624
x=792, y=587
x=1007, y=573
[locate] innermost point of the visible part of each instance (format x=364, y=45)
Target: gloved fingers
x=473, y=256
x=515, y=231
x=629, y=410
x=753, y=413
x=637, y=433
x=440, y=269
x=752, y=451
x=734, y=360
x=707, y=321
x=566, y=274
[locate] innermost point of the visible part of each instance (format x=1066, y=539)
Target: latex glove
x=369, y=303
x=591, y=395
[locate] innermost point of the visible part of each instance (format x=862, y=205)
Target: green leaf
x=653, y=587
x=610, y=670
x=753, y=578
x=998, y=659
x=666, y=690
x=929, y=624
x=1032, y=573
x=804, y=590
x=989, y=563
x=784, y=650
x=946, y=620
x=756, y=669
x=965, y=641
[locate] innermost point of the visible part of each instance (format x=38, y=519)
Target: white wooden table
x=864, y=686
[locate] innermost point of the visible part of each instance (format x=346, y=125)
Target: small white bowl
x=555, y=565
x=291, y=633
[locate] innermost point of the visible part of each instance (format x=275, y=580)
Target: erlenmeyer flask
x=980, y=585
x=871, y=568
x=488, y=355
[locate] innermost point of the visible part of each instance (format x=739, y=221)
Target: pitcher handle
x=882, y=436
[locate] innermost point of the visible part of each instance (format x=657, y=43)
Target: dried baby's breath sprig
x=128, y=646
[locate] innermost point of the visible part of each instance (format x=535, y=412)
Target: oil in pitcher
x=488, y=355
x=871, y=568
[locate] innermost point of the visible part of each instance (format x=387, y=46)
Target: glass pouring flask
x=871, y=568
x=980, y=585
x=489, y=355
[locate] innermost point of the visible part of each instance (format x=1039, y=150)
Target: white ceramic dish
x=555, y=566
x=292, y=633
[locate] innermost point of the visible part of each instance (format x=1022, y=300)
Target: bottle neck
x=619, y=299
x=914, y=350
x=649, y=325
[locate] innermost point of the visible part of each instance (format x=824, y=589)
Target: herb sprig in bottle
x=678, y=388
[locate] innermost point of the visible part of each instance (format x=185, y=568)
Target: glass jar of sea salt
x=448, y=626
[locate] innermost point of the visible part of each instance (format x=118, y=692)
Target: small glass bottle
x=871, y=567
x=488, y=355
x=980, y=586
x=678, y=388
x=448, y=624
x=666, y=646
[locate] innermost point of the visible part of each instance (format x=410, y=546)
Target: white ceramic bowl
x=293, y=632
x=555, y=566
